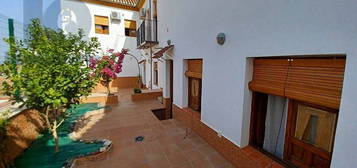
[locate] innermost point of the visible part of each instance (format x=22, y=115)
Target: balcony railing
x=147, y=34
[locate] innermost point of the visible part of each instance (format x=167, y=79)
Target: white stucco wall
x=82, y=16
x=257, y=29
x=70, y=15
x=161, y=62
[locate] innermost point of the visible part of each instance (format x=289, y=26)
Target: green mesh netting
x=41, y=153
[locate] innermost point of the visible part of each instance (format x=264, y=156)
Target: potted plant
x=108, y=67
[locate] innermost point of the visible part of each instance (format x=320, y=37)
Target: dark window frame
x=129, y=32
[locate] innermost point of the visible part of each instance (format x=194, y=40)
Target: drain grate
x=139, y=139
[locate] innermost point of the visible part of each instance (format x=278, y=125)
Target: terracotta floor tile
x=276, y=165
x=218, y=161
x=186, y=165
x=194, y=154
x=177, y=159
x=169, y=148
x=128, y=164
x=202, y=163
x=207, y=150
x=163, y=163
x=245, y=162
x=229, y=165
x=153, y=152
x=150, y=157
x=167, y=144
x=186, y=145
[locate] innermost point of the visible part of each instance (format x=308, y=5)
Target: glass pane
x=310, y=132
x=315, y=126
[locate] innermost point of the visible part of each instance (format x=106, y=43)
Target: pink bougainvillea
x=92, y=63
x=108, y=72
x=108, y=67
x=110, y=50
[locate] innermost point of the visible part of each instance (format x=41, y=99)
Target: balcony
x=147, y=34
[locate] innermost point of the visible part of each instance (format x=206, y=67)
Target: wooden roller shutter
x=317, y=81
x=101, y=20
x=130, y=24
x=269, y=76
x=194, y=68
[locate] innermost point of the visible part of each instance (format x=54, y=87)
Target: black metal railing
x=147, y=33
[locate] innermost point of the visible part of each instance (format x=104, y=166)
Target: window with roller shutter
x=313, y=87
x=101, y=24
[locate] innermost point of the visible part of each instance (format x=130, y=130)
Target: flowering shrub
x=107, y=67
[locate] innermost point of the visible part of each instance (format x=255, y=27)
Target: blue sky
x=12, y=9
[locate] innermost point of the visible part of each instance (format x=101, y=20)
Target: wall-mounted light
x=221, y=38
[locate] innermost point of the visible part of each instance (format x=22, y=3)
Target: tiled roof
x=162, y=51
x=130, y=3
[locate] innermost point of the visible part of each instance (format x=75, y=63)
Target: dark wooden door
x=310, y=135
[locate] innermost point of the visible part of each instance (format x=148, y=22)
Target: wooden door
x=310, y=135
x=194, y=93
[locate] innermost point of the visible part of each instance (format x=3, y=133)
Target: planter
x=23, y=129
x=99, y=155
x=117, y=84
x=102, y=98
x=146, y=95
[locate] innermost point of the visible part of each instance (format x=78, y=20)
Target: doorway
x=171, y=65
x=269, y=117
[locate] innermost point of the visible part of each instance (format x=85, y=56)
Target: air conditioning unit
x=115, y=16
x=142, y=13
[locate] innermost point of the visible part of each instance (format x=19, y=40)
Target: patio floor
x=166, y=143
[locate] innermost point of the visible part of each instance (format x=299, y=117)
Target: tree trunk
x=55, y=136
x=107, y=84
x=108, y=89
x=47, y=118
